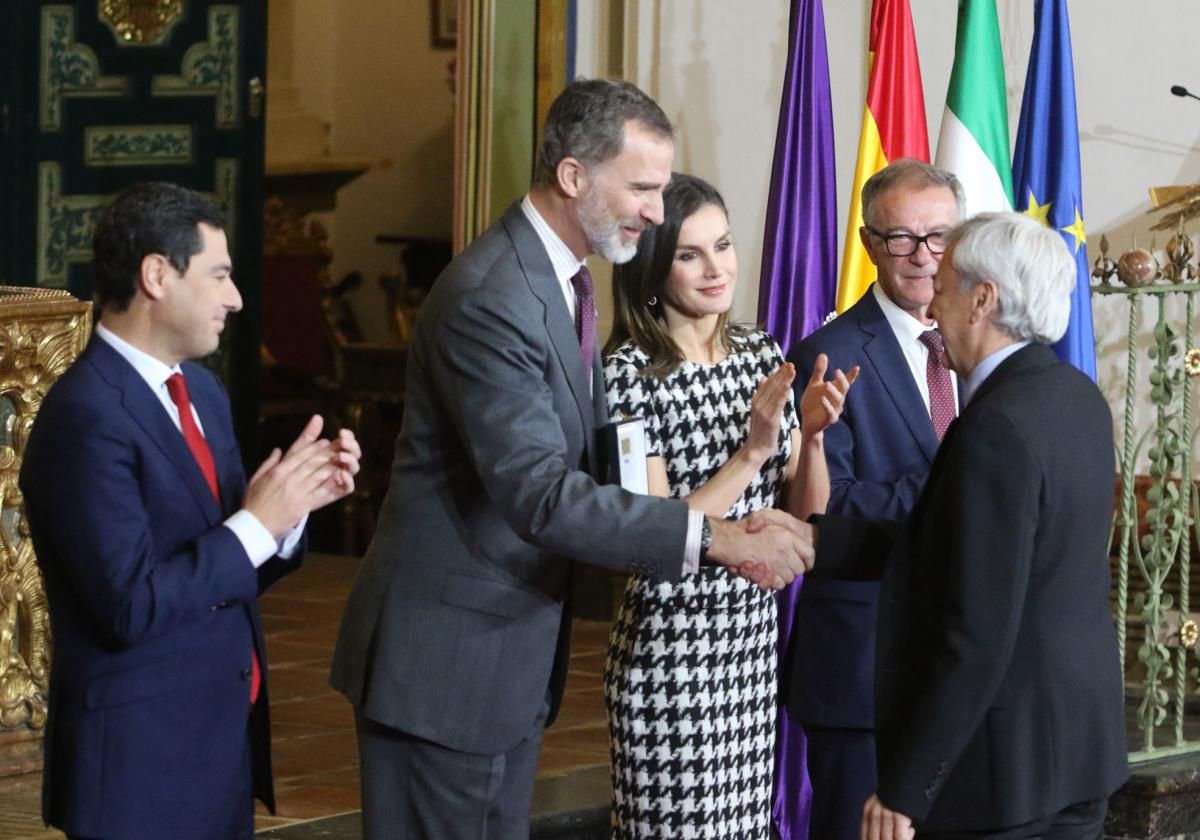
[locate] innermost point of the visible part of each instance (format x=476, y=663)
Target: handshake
x=770, y=548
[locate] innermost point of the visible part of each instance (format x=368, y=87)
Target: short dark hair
x=587, y=122
x=155, y=217
x=645, y=276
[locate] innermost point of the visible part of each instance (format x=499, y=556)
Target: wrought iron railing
x=1154, y=547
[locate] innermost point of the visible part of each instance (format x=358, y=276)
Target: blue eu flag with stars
x=1046, y=179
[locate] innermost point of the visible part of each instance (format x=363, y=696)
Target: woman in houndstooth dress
x=690, y=678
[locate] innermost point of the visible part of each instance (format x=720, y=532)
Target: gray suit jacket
x=456, y=630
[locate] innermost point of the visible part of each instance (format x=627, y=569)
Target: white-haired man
x=998, y=689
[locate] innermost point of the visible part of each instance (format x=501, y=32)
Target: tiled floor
x=316, y=763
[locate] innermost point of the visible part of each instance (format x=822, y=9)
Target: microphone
x=1180, y=90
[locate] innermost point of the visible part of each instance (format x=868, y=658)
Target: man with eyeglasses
x=878, y=456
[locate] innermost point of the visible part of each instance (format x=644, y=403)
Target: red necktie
x=941, y=390
x=177, y=388
x=585, y=314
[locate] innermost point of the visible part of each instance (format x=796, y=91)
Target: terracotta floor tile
x=325, y=712
x=562, y=762
x=291, y=682
x=314, y=749
x=308, y=801
x=282, y=651
x=302, y=758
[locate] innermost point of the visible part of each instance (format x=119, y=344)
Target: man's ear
x=864, y=236
x=152, y=278
x=572, y=177
x=985, y=300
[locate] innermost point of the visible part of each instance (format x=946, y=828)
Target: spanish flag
x=893, y=127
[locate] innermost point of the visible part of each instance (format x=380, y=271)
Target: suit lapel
x=144, y=407
x=561, y=328
x=887, y=358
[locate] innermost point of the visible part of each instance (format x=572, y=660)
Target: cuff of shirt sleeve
x=691, y=549
x=291, y=540
x=256, y=540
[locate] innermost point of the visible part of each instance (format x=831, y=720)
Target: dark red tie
x=177, y=388
x=585, y=314
x=941, y=390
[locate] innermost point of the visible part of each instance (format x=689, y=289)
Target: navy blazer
x=878, y=455
x=152, y=606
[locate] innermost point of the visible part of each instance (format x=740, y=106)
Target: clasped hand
x=312, y=473
x=769, y=548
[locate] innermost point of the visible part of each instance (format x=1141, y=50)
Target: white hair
x=1031, y=266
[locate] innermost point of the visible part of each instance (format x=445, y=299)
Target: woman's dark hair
x=644, y=277
x=148, y=218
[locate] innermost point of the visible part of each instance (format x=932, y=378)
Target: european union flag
x=1046, y=179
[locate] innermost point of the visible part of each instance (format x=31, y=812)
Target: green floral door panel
x=98, y=95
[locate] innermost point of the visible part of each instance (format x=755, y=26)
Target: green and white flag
x=973, y=143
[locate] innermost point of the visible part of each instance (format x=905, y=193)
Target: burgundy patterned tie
x=941, y=390
x=585, y=314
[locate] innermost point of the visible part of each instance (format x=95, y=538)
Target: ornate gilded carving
x=141, y=23
x=68, y=69
x=210, y=67
x=41, y=333
x=137, y=145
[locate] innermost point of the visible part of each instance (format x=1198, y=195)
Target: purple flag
x=795, y=293
x=798, y=283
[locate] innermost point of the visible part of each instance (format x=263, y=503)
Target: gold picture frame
x=444, y=23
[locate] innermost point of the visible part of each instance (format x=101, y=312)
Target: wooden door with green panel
x=99, y=94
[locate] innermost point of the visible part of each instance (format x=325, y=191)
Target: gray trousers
x=413, y=789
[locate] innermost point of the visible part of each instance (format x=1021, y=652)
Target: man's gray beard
x=604, y=232
x=612, y=249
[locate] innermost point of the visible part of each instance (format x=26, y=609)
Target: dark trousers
x=413, y=789
x=1082, y=821
x=842, y=769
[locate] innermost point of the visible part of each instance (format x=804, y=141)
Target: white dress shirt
x=256, y=540
x=907, y=330
x=566, y=265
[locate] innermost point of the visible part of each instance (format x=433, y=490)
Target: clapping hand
x=766, y=411
x=822, y=401
x=311, y=474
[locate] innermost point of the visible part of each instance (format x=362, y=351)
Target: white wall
x=717, y=69
x=368, y=68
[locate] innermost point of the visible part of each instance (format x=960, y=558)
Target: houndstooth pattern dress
x=690, y=679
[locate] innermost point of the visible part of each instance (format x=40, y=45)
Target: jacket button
x=245, y=673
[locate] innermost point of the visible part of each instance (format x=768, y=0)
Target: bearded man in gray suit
x=454, y=644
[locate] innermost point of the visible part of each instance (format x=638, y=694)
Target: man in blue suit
x=878, y=456
x=154, y=547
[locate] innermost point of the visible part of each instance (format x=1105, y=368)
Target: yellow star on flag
x=1041, y=212
x=1076, y=230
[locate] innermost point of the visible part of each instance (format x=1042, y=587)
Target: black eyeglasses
x=906, y=244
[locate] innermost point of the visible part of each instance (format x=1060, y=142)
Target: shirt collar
x=988, y=366
x=907, y=328
x=566, y=264
x=149, y=368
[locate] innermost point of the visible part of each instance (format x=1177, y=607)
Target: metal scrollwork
x=1155, y=547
